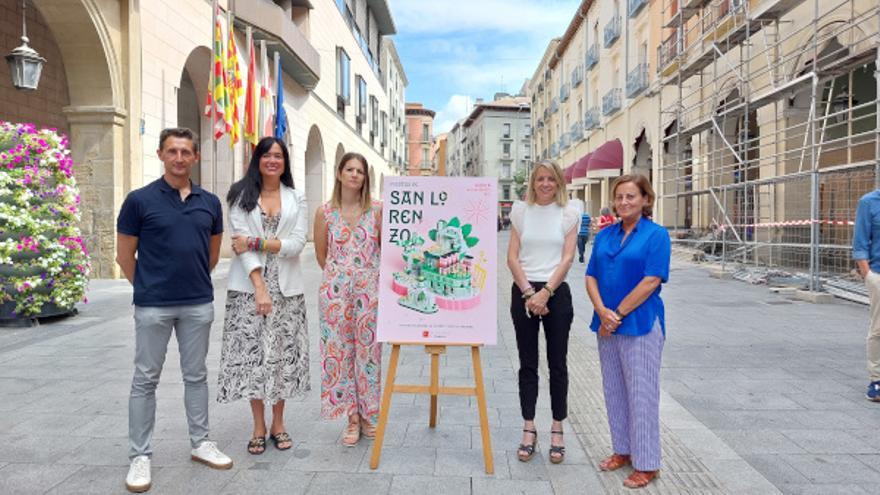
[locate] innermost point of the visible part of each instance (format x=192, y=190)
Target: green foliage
x=432, y=234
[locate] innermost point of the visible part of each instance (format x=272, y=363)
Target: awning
x=580, y=167
x=608, y=156
x=567, y=172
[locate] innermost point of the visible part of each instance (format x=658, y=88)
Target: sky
x=455, y=51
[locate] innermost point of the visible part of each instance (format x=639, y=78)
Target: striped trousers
x=631, y=382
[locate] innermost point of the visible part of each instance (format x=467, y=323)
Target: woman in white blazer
x=265, y=355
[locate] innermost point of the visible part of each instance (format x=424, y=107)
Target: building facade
x=594, y=97
x=420, y=132
x=118, y=73
x=394, y=119
x=497, y=142
x=439, y=153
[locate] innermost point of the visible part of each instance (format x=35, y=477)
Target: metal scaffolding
x=771, y=134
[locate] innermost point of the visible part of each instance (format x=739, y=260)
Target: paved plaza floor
x=760, y=394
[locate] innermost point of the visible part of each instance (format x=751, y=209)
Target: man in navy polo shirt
x=168, y=241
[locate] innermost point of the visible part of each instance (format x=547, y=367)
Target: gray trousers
x=153, y=327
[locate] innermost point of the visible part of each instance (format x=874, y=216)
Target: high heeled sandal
x=529, y=449
x=559, y=450
x=640, y=479
x=367, y=430
x=614, y=462
x=352, y=434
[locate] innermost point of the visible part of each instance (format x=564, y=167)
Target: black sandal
x=528, y=449
x=282, y=437
x=557, y=449
x=256, y=445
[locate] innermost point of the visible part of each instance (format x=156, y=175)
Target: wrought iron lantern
x=25, y=64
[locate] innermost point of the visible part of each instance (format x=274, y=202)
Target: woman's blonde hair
x=366, y=199
x=561, y=198
x=644, y=186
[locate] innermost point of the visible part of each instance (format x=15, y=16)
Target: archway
x=191, y=94
x=314, y=160
x=643, y=161
x=340, y=151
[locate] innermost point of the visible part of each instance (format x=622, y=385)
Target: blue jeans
x=582, y=244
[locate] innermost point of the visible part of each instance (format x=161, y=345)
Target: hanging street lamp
x=25, y=64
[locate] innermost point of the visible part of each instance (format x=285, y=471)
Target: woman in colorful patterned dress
x=346, y=237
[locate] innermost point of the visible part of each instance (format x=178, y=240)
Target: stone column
x=96, y=137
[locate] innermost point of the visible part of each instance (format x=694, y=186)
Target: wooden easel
x=434, y=389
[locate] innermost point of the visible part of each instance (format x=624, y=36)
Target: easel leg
x=481, y=405
x=435, y=387
x=386, y=405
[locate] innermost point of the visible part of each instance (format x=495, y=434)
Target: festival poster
x=438, y=281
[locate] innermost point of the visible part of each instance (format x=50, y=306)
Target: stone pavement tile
x=775, y=469
x=815, y=420
x=738, y=476
x=826, y=401
x=512, y=416
x=403, y=484
x=442, y=436
x=324, y=483
x=10, y=419
x=574, y=480
x=759, y=441
x=263, y=481
x=48, y=424
x=19, y=386
x=464, y=415
x=33, y=478
x=322, y=457
x=762, y=419
x=761, y=402
x=196, y=478
x=814, y=386
x=489, y=486
x=502, y=399
x=66, y=404
x=704, y=443
x=470, y=463
x=535, y=469
x=836, y=489
x=504, y=438
x=99, y=452
x=829, y=441
x=90, y=480
x=36, y=449
x=111, y=388
x=101, y=426
x=775, y=373
x=403, y=460
x=833, y=469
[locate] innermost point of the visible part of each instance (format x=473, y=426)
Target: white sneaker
x=207, y=453
x=138, y=479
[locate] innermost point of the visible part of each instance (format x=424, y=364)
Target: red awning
x=580, y=167
x=567, y=172
x=608, y=156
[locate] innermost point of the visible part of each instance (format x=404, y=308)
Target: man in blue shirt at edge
x=866, y=253
x=168, y=241
x=583, y=235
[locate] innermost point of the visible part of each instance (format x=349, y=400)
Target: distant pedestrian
x=605, y=218
x=347, y=230
x=629, y=261
x=265, y=355
x=866, y=253
x=168, y=241
x=583, y=235
x=540, y=253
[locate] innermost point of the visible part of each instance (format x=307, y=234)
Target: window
x=505, y=130
x=374, y=120
x=361, y=102
x=426, y=132
x=505, y=171
x=506, y=150
x=425, y=163
x=506, y=192
x=383, y=130
x=528, y=131
x=343, y=83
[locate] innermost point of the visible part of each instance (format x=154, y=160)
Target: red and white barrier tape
x=790, y=223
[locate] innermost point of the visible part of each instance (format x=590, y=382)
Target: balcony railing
x=576, y=131
x=564, y=141
x=635, y=6
x=612, y=31
x=554, y=105
x=591, y=119
x=577, y=76
x=554, y=149
x=592, y=57
x=668, y=50
x=611, y=102
x=564, y=92
x=637, y=80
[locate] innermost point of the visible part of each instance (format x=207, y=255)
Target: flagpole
x=213, y=103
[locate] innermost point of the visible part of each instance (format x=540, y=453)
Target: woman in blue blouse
x=630, y=260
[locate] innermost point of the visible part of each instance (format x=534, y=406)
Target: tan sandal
x=352, y=435
x=640, y=479
x=367, y=430
x=614, y=462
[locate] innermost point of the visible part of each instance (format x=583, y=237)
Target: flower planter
x=19, y=270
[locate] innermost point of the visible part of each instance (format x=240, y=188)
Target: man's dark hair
x=178, y=132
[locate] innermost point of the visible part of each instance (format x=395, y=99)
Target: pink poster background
x=443, y=290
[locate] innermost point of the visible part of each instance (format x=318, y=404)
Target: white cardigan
x=291, y=232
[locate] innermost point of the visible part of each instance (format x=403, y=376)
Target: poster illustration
x=438, y=281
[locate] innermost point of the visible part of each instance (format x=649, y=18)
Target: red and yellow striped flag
x=218, y=100
x=251, y=96
x=233, y=87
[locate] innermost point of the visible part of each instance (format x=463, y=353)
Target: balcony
x=592, y=57
x=299, y=58
x=576, y=131
x=577, y=76
x=554, y=105
x=564, y=92
x=667, y=53
x=635, y=6
x=592, y=119
x=564, y=141
x=611, y=102
x=637, y=80
x=554, y=150
x=612, y=31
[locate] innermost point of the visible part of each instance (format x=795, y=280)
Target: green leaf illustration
x=466, y=229
x=455, y=222
x=433, y=234
x=471, y=241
